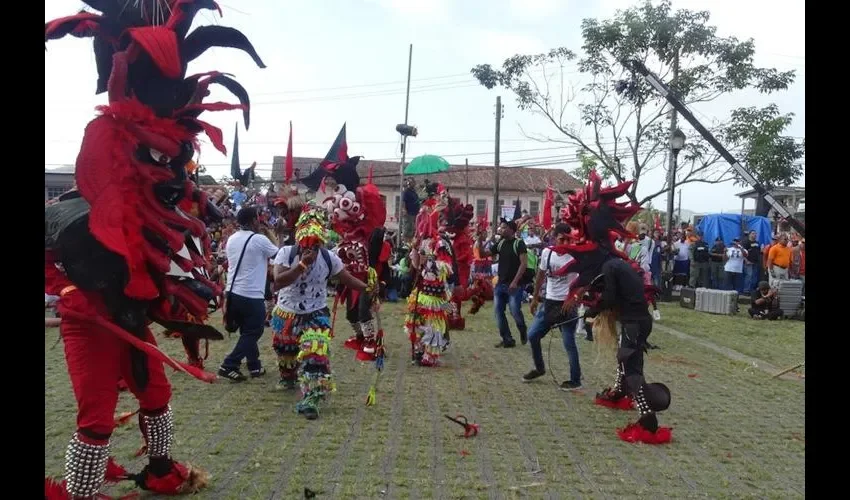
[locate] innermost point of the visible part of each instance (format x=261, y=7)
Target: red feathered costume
x=110, y=247
x=609, y=281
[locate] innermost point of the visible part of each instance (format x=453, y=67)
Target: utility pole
x=679, y=211
x=467, y=180
x=673, y=160
x=497, y=210
x=403, y=151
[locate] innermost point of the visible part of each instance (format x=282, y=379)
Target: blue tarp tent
x=728, y=226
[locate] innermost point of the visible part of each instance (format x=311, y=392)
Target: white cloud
x=535, y=9
x=422, y=10
x=496, y=46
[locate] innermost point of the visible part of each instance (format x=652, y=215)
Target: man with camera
x=248, y=253
x=765, y=303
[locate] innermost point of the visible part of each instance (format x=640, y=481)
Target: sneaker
x=533, y=374
x=569, y=385
x=258, y=373
x=232, y=375
x=656, y=315
x=310, y=413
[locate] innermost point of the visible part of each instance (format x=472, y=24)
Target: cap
x=510, y=223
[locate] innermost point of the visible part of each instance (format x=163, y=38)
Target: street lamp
x=677, y=143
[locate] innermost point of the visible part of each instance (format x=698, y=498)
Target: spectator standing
x=411, y=204
x=246, y=287
x=700, y=265
x=718, y=252
x=752, y=266
x=734, y=267
x=681, y=255
x=779, y=260
x=655, y=259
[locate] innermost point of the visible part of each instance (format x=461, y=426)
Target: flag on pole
x=235, y=170
x=288, y=166
x=548, y=203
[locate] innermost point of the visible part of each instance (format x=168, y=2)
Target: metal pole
x=673, y=162
x=679, y=211
x=497, y=209
x=404, y=150
x=467, y=180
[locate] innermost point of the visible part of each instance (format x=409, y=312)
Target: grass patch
x=781, y=343
x=737, y=432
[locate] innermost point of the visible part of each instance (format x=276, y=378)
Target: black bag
x=232, y=322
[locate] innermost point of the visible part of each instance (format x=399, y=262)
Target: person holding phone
x=734, y=266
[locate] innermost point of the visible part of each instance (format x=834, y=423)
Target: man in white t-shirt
x=246, y=293
x=734, y=266
x=550, y=313
x=301, y=321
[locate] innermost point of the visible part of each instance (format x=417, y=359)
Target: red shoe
x=354, y=343
x=636, y=433
x=610, y=399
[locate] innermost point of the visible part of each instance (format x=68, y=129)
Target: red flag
x=288, y=167
x=548, y=203
x=658, y=222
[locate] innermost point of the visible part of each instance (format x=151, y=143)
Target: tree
x=680, y=47
x=768, y=155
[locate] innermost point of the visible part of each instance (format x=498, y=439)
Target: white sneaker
x=656, y=315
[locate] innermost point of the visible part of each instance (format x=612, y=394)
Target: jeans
x=252, y=318
x=502, y=298
x=735, y=281
x=751, y=276
x=541, y=325
x=700, y=272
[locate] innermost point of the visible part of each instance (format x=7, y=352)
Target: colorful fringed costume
x=481, y=289
x=109, y=248
x=301, y=320
x=608, y=282
x=428, y=305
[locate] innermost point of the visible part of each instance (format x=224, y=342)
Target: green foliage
x=770, y=156
x=681, y=47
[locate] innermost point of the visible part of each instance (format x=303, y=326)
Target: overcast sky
x=334, y=61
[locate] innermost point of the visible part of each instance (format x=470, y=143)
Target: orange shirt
x=779, y=255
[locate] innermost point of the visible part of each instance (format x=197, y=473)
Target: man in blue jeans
x=509, y=291
x=248, y=254
x=550, y=313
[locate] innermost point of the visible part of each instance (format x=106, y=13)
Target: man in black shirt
x=700, y=266
x=752, y=264
x=513, y=262
x=765, y=303
x=718, y=275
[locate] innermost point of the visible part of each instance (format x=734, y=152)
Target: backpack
x=326, y=255
x=531, y=262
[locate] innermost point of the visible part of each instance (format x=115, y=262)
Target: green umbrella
x=426, y=164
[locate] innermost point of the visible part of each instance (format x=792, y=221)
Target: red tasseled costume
x=624, y=403
x=635, y=433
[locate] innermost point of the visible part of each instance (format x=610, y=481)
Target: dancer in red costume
x=454, y=218
x=109, y=247
x=612, y=287
x=481, y=289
